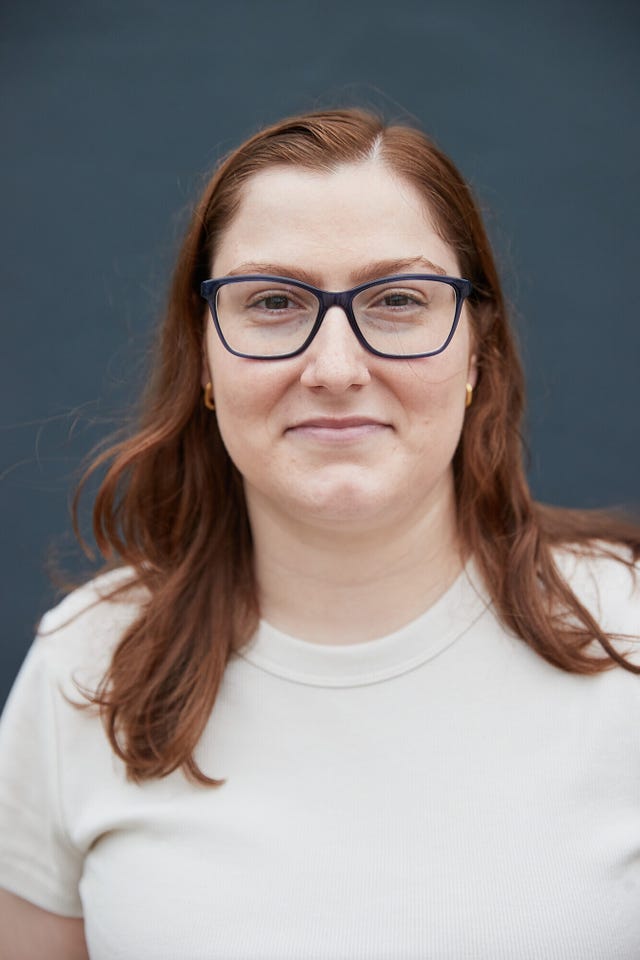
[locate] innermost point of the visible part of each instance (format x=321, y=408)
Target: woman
x=360, y=695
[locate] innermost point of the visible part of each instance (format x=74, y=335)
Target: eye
x=259, y=303
x=397, y=299
x=274, y=301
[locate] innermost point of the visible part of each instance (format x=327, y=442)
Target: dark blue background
x=113, y=113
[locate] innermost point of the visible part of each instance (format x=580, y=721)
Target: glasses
x=271, y=318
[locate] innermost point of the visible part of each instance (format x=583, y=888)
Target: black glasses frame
x=327, y=299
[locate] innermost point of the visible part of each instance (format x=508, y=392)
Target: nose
x=335, y=359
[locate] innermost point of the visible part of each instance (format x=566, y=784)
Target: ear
x=205, y=372
x=472, y=370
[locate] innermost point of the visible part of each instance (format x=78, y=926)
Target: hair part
x=171, y=505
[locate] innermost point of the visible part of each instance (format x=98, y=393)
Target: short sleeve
x=37, y=860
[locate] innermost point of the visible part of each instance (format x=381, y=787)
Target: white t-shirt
x=442, y=792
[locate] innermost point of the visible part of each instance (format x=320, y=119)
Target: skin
x=354, y=529
x=29, y=933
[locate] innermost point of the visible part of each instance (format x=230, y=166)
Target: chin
x=348, y=505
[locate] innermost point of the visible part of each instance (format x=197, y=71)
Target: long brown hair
x=171, y=505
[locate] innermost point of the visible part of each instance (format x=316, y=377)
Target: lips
x=339, y=423
x=338, y=428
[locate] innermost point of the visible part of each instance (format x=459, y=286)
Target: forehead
x=334, y=221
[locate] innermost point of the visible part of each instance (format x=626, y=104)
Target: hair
x=171, y=504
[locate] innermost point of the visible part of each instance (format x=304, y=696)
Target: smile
x=338, y=429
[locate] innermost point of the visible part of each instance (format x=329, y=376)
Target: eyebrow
x=372, y=271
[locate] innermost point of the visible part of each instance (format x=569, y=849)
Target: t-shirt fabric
x=442, y=792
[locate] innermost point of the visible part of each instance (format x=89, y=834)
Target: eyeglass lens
x=401, y=317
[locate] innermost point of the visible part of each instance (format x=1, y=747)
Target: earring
x=469, y=399
x=208, y=397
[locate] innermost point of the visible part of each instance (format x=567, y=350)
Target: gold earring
x=208, y=396
x=469, y=399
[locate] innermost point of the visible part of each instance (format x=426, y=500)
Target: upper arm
x=39, y=859
x=28, y=932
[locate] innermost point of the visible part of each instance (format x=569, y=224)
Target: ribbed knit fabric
x=441, y=792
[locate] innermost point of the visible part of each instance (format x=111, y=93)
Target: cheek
x=433, y=397
x=246, y=393
x=437, y=384
x=236, y=412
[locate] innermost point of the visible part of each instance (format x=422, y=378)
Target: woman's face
x=336, y=436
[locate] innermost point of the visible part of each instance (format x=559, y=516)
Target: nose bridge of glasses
x=341, y=299
x=336, y=350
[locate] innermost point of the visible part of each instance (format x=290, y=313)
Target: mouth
x=338, y=429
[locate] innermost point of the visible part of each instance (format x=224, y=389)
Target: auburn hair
x=171, y=505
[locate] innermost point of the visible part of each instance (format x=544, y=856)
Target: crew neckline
x=372, y=661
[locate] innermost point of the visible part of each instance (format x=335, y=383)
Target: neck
x=331, y=585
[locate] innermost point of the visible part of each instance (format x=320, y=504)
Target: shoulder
x=82, y=631
x=116, y=590
x=606, y=580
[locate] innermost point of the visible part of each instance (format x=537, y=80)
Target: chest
x=344, y=837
